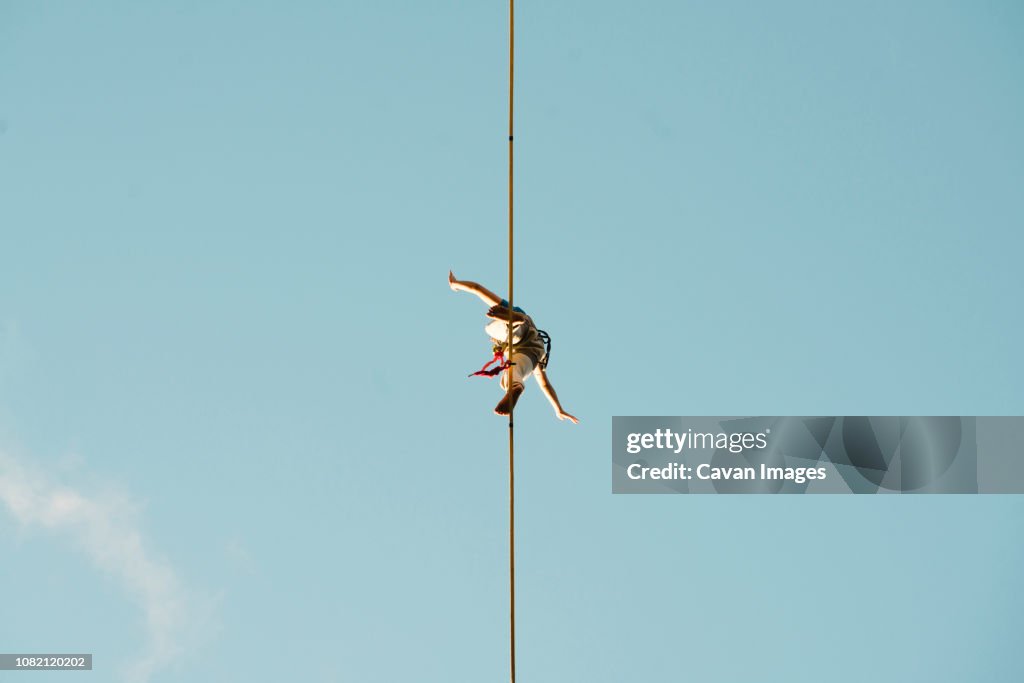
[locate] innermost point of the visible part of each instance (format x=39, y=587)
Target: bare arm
x=549, y=392
x=486, y=295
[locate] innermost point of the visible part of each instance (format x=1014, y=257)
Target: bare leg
x=486, y=295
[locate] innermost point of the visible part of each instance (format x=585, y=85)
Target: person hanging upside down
x=529, y=352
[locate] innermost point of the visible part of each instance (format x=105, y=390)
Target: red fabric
x=484, y=372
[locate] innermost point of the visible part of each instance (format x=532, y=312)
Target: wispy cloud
x=104, y=526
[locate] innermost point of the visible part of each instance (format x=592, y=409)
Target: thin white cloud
x=104, y=527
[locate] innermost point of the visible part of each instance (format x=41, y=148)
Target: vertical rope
x=508, y=394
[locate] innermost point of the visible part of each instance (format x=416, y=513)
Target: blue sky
x=236, y=438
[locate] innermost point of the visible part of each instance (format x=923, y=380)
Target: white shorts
x=521, y=368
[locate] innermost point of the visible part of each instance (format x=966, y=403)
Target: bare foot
x=503, y=406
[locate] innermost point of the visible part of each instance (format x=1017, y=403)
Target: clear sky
x=237, y=440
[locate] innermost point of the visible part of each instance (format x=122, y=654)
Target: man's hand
x=500, y=312
x=562, y=415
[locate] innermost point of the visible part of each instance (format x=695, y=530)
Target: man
x=529, y=353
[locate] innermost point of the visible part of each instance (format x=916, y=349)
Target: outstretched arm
x=549, y=392
x=486, y=295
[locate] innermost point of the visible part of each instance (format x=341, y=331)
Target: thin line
x=508, y=394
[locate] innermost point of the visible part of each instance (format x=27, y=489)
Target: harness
x=499, y=355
